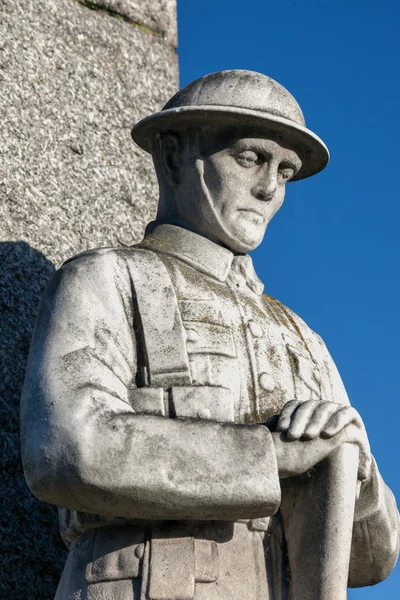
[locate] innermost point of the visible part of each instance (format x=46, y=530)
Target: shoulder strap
x=162, y=329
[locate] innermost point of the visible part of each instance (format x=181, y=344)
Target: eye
x=248, y=158
x=286, y=173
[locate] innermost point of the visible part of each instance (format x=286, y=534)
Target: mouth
x=252, y=215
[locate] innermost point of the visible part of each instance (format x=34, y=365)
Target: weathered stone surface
x=170, y=407
x=158, y=15
x=72, y=82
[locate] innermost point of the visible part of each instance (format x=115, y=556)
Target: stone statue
x=195, y=431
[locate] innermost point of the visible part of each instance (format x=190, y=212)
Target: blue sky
x=332, y=253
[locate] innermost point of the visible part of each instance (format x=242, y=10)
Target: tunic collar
x=191, y=248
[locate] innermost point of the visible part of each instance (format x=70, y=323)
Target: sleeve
x=375, y=541
x=375, y=544
x=83, y=445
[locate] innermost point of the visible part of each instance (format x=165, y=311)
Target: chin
x=242, y=245
x=246, y=241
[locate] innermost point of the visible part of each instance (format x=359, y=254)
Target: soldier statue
x=195, y=431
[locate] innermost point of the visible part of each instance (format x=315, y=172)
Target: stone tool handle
x=318, y=511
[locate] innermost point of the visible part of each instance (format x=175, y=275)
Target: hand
x=307, y=432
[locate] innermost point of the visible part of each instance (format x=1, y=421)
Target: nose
x=266, y=187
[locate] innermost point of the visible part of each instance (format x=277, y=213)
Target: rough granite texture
x=158, y=15
x=73, y=81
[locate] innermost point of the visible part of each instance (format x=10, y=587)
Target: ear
x=170, y=151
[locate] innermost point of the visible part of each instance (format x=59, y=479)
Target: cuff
x=372, y=495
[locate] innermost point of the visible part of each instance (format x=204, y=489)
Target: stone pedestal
x=75, y=75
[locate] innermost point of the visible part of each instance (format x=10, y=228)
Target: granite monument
x=74, y=77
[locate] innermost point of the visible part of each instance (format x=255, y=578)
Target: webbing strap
x=163, y=332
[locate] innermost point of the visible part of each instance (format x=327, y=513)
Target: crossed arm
x=83, y=445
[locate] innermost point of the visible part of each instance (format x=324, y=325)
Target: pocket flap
x=209, y=338
x=296, y=345
x=202, y=310
x=306, y=372
x=117, y=554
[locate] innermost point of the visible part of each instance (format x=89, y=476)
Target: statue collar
x=197, y=251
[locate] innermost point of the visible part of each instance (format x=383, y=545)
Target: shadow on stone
x=32, y=552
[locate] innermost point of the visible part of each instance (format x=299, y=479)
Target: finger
x=286, y=415
x=339, y=420
x=319, y=418
x=300, y=419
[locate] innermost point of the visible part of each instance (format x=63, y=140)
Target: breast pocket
x=208, y=330
x=210, y=343
x=209, y=338
x=305, y=371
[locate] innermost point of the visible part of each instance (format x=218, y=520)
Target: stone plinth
x=75, y=76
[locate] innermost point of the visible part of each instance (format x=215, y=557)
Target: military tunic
x=169, y=479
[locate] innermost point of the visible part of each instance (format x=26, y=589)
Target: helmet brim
x=311, y=149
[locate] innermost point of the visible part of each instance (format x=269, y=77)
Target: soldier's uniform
x=151, y=368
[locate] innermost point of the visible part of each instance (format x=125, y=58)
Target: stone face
x=73, y=80
x=158, y=15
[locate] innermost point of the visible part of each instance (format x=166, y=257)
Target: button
x=204, y=413
x=267, y=382
x=256, y=329
x=139, y=551
x=192, y=336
